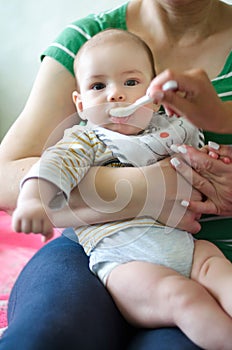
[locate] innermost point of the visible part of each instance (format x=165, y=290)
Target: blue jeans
x=57, y=304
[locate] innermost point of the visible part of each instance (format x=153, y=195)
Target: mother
x=56, y=302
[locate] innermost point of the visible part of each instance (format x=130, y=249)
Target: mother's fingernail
x=213, y=145
x=184, y=203
x=174, y=148
x=175, y=162
x=182, y=149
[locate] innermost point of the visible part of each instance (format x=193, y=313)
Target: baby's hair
x=117, y=35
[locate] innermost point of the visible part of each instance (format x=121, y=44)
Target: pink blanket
x=15, y=250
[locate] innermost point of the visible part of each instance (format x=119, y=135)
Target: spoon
x=128, y=110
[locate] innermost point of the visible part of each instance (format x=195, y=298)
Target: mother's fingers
x=201, y=184
x=206, y=207
x=223, y=151
x=212, y=177
x=194, y=178
x=200, y=161
x=191, y=100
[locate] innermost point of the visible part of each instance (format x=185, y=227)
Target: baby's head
x=114, y=66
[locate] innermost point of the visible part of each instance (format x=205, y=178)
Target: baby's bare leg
x=152, y=296
x=214, y=272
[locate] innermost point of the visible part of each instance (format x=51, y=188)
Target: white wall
x=26, y=28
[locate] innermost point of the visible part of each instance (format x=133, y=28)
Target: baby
x=156, y=276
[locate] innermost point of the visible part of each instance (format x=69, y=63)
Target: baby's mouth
x=119, y=120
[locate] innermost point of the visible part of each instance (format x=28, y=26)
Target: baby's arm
x=32, y=213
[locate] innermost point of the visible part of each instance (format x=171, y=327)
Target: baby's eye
x=131, y=82
x=98, y=86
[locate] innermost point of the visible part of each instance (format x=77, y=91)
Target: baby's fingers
x=19, y=223
x=16, y=224
x=26, y=225
x=47, y=231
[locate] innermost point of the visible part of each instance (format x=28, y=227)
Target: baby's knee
x=206, y=256
x=180, y=293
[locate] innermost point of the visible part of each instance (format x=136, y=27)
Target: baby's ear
x=78, y=103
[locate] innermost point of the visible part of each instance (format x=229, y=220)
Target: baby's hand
x=32, y=217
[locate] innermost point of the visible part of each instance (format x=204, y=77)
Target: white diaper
x=172, y=248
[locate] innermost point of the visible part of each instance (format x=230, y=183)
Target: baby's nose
x=116, y=97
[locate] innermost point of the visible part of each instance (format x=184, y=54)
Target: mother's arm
x=48, y=111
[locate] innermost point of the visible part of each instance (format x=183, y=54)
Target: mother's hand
x=212, y=177
x=191, y=99
x=172, y=213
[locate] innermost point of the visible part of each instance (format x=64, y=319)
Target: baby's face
x=111, y=76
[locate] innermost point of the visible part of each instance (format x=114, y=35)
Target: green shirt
x=216, y=229
x=64, y=48
x=67, y=44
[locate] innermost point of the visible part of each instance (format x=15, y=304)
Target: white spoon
x=128, y=110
